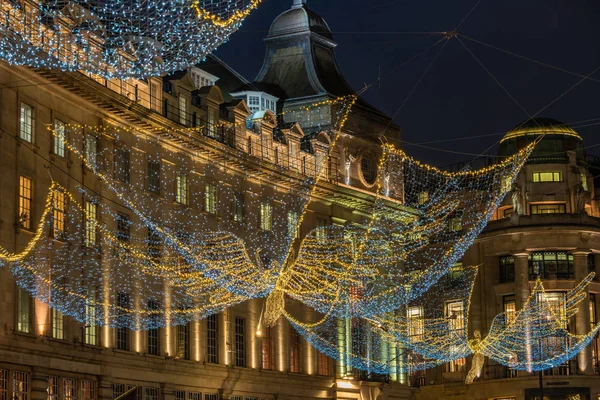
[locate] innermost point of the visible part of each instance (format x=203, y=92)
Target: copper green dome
x=558, y=140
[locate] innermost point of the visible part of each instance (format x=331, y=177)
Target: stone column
x=521, y=286
x=105, y=390
x=582, y=318
x=39, y=385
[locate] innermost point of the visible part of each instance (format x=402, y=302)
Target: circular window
x=368, y=169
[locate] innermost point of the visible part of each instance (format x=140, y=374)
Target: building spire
x=298, y=3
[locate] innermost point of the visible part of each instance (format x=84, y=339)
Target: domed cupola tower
x=556, y=179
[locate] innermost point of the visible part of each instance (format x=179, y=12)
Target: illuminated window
x=210, y=198
x=212, y=354
x=60, y=205
x=53, y=393
x=455, y=224
x=584, y=181
x=59, y=138
x=267, y=349
x=122, y=165
x=91, y=220
x=152, y=335
x=238, y=208
x=416, y=324
x=507, y=269
x=266, y=216
x=182, y=110
x=240, y=342
x=58, y=331
x=556, y=208
x=91, y=151
x=23, y=310
x=181, y=189
x=182, y=338
x=25, y=199
x=88, y=390
x=122, y=321
x=90, y=318
x=295, y=348
x=322, y=364
x=556, y=304
x=423, y=197
x=551, y=265
x=510, y=308
x=26, y=128
x=321, y=230
x=455, y=314
x=550, y=176
x=293, y=228
x=507, y=212
x=20, y=385
x=154, y=177
x=69, y=389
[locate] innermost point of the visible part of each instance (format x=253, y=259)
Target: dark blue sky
x=457, y=98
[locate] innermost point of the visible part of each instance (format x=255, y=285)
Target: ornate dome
x=559, y=139
x=299, y=19
x=540, y=126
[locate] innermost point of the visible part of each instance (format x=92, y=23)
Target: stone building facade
x=46, y=355
x=547, y=227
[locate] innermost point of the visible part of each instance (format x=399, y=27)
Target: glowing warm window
x=416, y=326
x=58, y=331
x=91, y=220
x=88, y=390
x=293, y=228
x=210, y=199
x=455, y=313
x=53, y=392
x=555, y=208
x=181, y=195
x=25, y=199
x=321, y=229
x=322, y=364
x=182, y=338
x=556, y=304
x=90, y=318
x=550, y=176
x=182, y=110
x=69, y=389
x=23, y=310
x=59, y=138
x=510, y=308
x=267, y=349
x=423, y=197
x=60, y=205
x=26, y=129
x=20, y=385
x=266, y=216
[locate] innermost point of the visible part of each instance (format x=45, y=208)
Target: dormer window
x=202, y=78
x=257, y=101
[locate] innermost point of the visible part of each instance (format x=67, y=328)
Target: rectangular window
x=211, y=396
x=154, y=177
x=20, y=385
x=23, y=310
x=416, y=327
x=122, y=165
x=154, y=245
x=249, y=145
x=59, y=138
x=322, y=364
x=26, y=128
x=122, y=321
x=295, y=351
x=182, y=110
x=455, y=313
x=455, y=224
x=91, y=220
x=69, y=389
x=58, y=331
x=151, y=393
x=118, y=389
x=25, y=199
x=423, y=198
x=556, y=208
x=509, y=308
x=551, y=265
x=210, y=198
x=321, y=230
x=152, y=335
x=3, y=384
x=550, y=176
x=88, y=390
x=194, y=396
x=91, y=151
x=90, y=318
x=267, y=349
x=154, y=96
x=60, y=206
x=293, y=228
x=53, y=393
x=182, y=348
x=212, y=344
x=507, y=269
x=123, y=227
x=181, y=189
x=593, y=310
x=240, y=342
x=266, y=216
x=556, y=303
x=180, y=395
x=238, y=208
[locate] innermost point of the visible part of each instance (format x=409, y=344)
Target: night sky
x=457, y=100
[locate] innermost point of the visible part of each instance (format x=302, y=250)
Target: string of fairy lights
x=117, y=39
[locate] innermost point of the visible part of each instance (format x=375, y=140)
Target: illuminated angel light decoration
x=117, y=39
x=423, y=226
x=143, y=261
